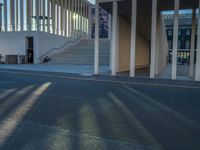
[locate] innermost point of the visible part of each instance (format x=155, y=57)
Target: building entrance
x=29, y=50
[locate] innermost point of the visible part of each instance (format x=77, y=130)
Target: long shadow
x=18, y=128
x=13, y=101
x=167, y=126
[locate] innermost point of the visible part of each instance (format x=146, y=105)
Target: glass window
x=179, y=44
x=170, y=44
x=169, y=33
x=187, y=44
x=179, y=32
x=188, y=32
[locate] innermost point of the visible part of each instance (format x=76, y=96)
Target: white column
x=69, y=18
x=21, y=15
x=12, y=14
x=153, y=38
x=114, y=40
x=43, y=15
x=5, y=15
x=31, y=15
x=28, y=7
x=66, y=18
x=53, y=15
x=197, y=71
x=17, y=16
x=72, y=18
x=1, y=17
x=58, y=23
x=37, y=15
x=175, y=40
x=133, y=38
x=192, y=43
x=48, y=15
x=61, y=17
x=96, y=44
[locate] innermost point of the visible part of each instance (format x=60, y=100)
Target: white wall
x=14, y=43
x=142, y=48
x=162, y=46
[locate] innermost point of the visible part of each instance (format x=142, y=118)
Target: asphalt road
x=69, y=112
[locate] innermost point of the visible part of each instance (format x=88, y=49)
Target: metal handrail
x=71, y=40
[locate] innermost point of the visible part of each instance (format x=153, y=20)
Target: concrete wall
x=14, y=43
x=162, y=45
x=142, y=48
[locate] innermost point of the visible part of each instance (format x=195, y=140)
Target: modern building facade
x=136, y=31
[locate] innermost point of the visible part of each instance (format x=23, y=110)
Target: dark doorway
x=29, y=50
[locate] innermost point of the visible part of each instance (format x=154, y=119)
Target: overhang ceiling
x=144, y=11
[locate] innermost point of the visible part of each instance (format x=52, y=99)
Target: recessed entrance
x=29, y=50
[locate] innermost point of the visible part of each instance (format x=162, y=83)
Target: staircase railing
x=70, y=41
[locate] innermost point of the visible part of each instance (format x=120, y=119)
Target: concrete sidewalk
x=62, y=68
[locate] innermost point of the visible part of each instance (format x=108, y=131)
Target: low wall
x=14, y=43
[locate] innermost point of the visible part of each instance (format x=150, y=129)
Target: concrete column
x=66, y=18
x=5, y=16
x=114, y=39
x=175, y=40
x=96, y=42
x=133, y=38
x=48, y=16
x=197, y=71
x=21, y=15
x=153, y=38
x=43, y=15
x=37, y=15
x=58, y=22
x=69, y=18
x=72, y=18
x=12, y=16
x=1, y=16
x=53, y=15
x=31, y=14
x=16, y=15
x=192, y=43
x=78, y=12
x=61, y=17
x=28, y=7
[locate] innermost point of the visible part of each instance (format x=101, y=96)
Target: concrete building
x=136, y=33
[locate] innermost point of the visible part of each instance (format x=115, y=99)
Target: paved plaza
x=56, y=111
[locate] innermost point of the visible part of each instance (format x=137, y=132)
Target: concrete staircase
x=83, y=53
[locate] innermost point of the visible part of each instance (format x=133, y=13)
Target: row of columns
x=153, y=41
x=63, y=17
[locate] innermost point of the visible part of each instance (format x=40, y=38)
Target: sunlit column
x=153, y=39
x=21, y=15
x=192, y=43
x=48, y=16
x=12, y=14
x=133, y=37
x=75, y=17
x=84, y=16
x=5, y=16
x=197, y=71
x=37, y=14
x=114, y=40
x=175, y=40
x=96, y=44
